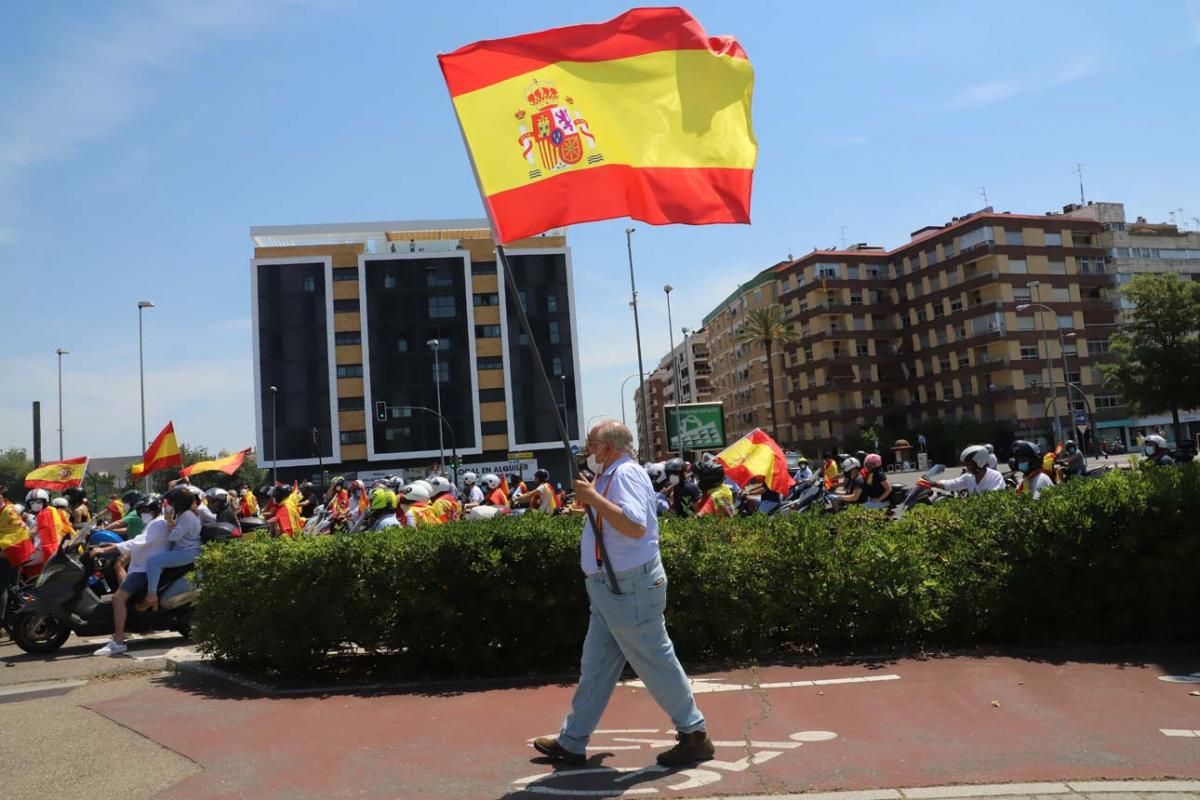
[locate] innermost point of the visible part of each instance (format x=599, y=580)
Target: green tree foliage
x=768, y=326
x=14, y=466
x=1158, y=347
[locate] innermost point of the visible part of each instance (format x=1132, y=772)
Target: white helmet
x=469, y=478
x=850, y=463
x=975, y=455
x=195, y=490
x=491, y=481
x=440, y=485
x=217, y=493
x=36, y=496
x=416, y=492
x=656, y=472
x=426, y=485
x=990, y=449
x=1155, y=440
x=60, y=502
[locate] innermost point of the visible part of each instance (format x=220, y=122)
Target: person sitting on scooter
x=853, y=487
x=381, y=513
x=218, y=503
x=337, y=499
x=153, y=540
x=309, y=499
x=1071, y=460
x=876, y=487
x=804, y=472
x=1026, y=458
x=16, y=545
x=685, y=494
x=49, y=529
x=184, y=537
x=716, y=497
x=977, y=476
x=1155, y=449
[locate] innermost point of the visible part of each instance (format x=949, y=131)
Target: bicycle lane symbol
x=625, y=781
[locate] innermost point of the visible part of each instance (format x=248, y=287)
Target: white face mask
x=594, y=464
x=36, y=506
x=147, y=518
x=673, y=480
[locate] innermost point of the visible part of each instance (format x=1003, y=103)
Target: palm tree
x=769, y=326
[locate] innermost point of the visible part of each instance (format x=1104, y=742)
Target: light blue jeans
x=168, y=558
x=629, y=626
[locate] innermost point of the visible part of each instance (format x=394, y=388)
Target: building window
x=1026, y=323
x=1066, y=322
x=921, y=316
x=490, y=362
x=556, y=366
x=349, y=371
x=389, y=280
x=347, y=337
x=350, y=404
x=345, y=273
x=491, y=395
x=863, y=349
x=555, y=335
x=939, y=310
x=487, y=331
x=1058, y=268
x=1053, y=239
x=402, y=345
x=310, y=284
x=1021, y=294
x=491, y=299
x=758, y=295
x=437, y=276
x=956, y=306
x=944, y=363
x=1097, y=346
x=342, y=306
x=483, y=267
x=1029, y=353
x=1014, y=238
x=552, y=301
x=856, y=298
x=828, y=270
x=494, y=428
x=441, y=306
x=1018, y=265
x=353, y=437
x=441, y=371
x=1107, y=401
x=402, y=432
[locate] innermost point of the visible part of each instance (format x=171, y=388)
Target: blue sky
x=139, y=141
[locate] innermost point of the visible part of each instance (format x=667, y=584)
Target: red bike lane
x=909, y=722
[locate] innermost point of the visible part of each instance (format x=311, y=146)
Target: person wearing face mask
x=977, y=476
x=1071, y=460
x=49, y=528
x=1155, y=449
x=16, y=545
x=184, y=538
x=684, y=493
x=627, y=622
x=153, y=540
x=1026, y=458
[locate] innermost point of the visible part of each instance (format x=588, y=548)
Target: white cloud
x=994, y=91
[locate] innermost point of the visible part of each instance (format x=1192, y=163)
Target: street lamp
x=675, y=363
x=644, y=423
x=562, y=382
x=434, y=344
x=274, y=438
x=61, y=352
x=142, y=305
x=1062, y=346
x=623, y=383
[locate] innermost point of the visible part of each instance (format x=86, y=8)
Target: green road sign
x=703, y=426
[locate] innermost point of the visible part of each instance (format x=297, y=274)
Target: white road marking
x=1178, y=732
x=813, y=736
x=37, y=687
x=624, y=730
x=761, y=745
x=652, y=743
x=696, y=779
x=138, y=637
x=743, y=764
x=710, y=685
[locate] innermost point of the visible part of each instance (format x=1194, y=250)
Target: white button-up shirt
x=627, y=485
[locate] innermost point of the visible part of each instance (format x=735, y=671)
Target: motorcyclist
x=829, y=471
x=1155, y=450
x=184, y=536
x=77, y=505
x=1026, y=458
x=471, y=490
x=129, y=525
x=804, y=472
x=62, y=507
x=977, y=476
x=853, y=486
x=285, y=519
x=247, y=502
x=381, y=511
x=153, y=540
x=444, y=504
x=993, y=462
x=16, y=545
x=360, y=501
x=218, y=503
x=1071, y=460
x=516, y=487
x=658, y=479
x=49, y=530
x=337, y=499
x=541, y=497
x=309, y=499
x=716, y=497
x=876, y=487
x=414, y=507
x=685, y=494
x=495, y=495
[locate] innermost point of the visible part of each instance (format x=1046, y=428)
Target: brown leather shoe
x=691, y=748
x=549, y=747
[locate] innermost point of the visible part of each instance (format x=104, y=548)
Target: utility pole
x=983, y=191
x=1079, y=172
x=644, y=422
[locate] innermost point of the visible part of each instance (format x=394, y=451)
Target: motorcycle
x=63, y=603
x=921, y=494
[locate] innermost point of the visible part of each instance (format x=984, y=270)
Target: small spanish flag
x=643, y=116
x=58, y=475
x=163, y=452
x=228, y=464
x=757, y=456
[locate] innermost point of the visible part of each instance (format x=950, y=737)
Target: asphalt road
x=75, y=660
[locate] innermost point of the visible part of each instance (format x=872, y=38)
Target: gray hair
x=613, y=433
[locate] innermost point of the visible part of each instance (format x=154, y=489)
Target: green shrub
x=1116, y=558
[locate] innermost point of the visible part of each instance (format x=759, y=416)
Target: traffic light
x=381, y=411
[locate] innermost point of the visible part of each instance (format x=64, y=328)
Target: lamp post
x=623, y=384
x=434, y=344
x=675, y=363
x=61, y=352
x=274, y=438
x=562, y=382
x=1062, y=346
x=141, y=306
x=687, y=359
x=1049, y=363
x=644, y=422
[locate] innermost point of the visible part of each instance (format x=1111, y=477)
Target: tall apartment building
x=692, y=359
x=358, y=325
x=740, y=370
x=942, y=327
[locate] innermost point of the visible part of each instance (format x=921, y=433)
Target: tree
x=14, y=466
x=769, y=326
x=1158, y=347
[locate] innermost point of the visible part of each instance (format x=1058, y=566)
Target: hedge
x=1111, y=559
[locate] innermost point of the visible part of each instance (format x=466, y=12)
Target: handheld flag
x=58, y=475
x=163, y=452
x=757, y=455
x=228, y=464
x=643, y=116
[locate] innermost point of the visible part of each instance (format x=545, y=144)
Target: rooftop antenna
x=1079, y=172
x=1181, y=219
x=983, y=191
x=843, y=237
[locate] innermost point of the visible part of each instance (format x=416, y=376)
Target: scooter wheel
x=39, y=633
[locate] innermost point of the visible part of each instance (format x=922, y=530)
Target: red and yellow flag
x=643, y=116
x=757, y=455
x=58, y=475
x=228, y=464
x=163, y=452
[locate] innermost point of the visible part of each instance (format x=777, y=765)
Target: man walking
x=628, y=625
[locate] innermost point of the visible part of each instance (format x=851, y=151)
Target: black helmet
x=131, y=498
x=180, y=498
x=674, y=466
x=542, y=475
x=280, y=493
x=1025, y=452
x=307, y=489
x=710, y=475
x=149, y=503
x=1070, y=444
x=74, y=495
x=861, y=455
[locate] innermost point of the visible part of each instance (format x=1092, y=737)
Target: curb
x=1183, y=787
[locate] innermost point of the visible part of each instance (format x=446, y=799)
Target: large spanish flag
x=643, y=116
x=58, y=475
x=228, y=464
x=757, y=456
x=163, y=452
